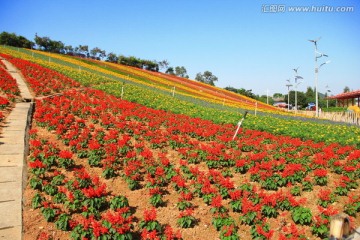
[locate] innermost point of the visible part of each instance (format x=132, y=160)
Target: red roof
x=347, y=95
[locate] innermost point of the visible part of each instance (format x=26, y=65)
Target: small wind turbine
x=315, y=42
x=296, y=69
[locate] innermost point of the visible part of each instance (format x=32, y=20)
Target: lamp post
x=288, y=86
x=296, y=106
x=296, y=84
x=317, y=55
x=324, y=63
x=317, y=111
x=327, y=96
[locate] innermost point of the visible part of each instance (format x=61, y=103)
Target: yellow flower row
x=162, y=81
x=186, y=91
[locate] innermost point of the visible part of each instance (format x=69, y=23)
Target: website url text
x=281, y=8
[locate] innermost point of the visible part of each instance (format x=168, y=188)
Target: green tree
x=310, y=95
x=48, y=45
x=97, y=53
x=170, y=71
x=266, y=99
x=57, y=47
x=247, y=93
x=278, y=95
x=69, y=49
x=11, y=39
x=84, y=50
x=242, y=91
x=151, y=65
x=302, y=101
x=164, y=64
x=25, y=43
x=207, y=77
x=43, y=43
x=346, y=89
x=111, y=57
x=139, y=63
x=181, y=72
x=231, y=89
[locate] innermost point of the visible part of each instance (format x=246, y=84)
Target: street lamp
x=327, y=102
x=327, y=95
x=317, y=55
x=324, y=63
x=288, y=86
x=296, y=106
x=267, y=96
x=296, y=84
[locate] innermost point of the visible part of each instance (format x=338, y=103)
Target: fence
x=346, y=117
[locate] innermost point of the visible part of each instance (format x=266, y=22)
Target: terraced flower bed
x=104, y=168
x=112, y=83
x=91, y=152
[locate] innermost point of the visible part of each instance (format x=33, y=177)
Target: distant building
x=347, y=99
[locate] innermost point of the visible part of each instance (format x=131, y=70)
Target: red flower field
x=104, y=168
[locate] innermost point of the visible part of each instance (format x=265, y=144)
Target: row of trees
x=177, y=71
x=49, y=45
x=11, y=39
x=250, y=94
x=243, y=91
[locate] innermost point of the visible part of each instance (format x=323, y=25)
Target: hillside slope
x=155, y=92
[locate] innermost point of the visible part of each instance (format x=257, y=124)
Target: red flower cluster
x=43, y=81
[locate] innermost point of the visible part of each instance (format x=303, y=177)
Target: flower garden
x=146, y=92
x=9, y=92
x=102, y=167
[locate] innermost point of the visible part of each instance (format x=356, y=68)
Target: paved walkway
x=13, y=152
x=14, y=72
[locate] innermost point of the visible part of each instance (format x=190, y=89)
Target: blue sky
x=240, y=42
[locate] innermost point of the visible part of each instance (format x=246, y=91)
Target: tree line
x=11, y=39
x=48, y=45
